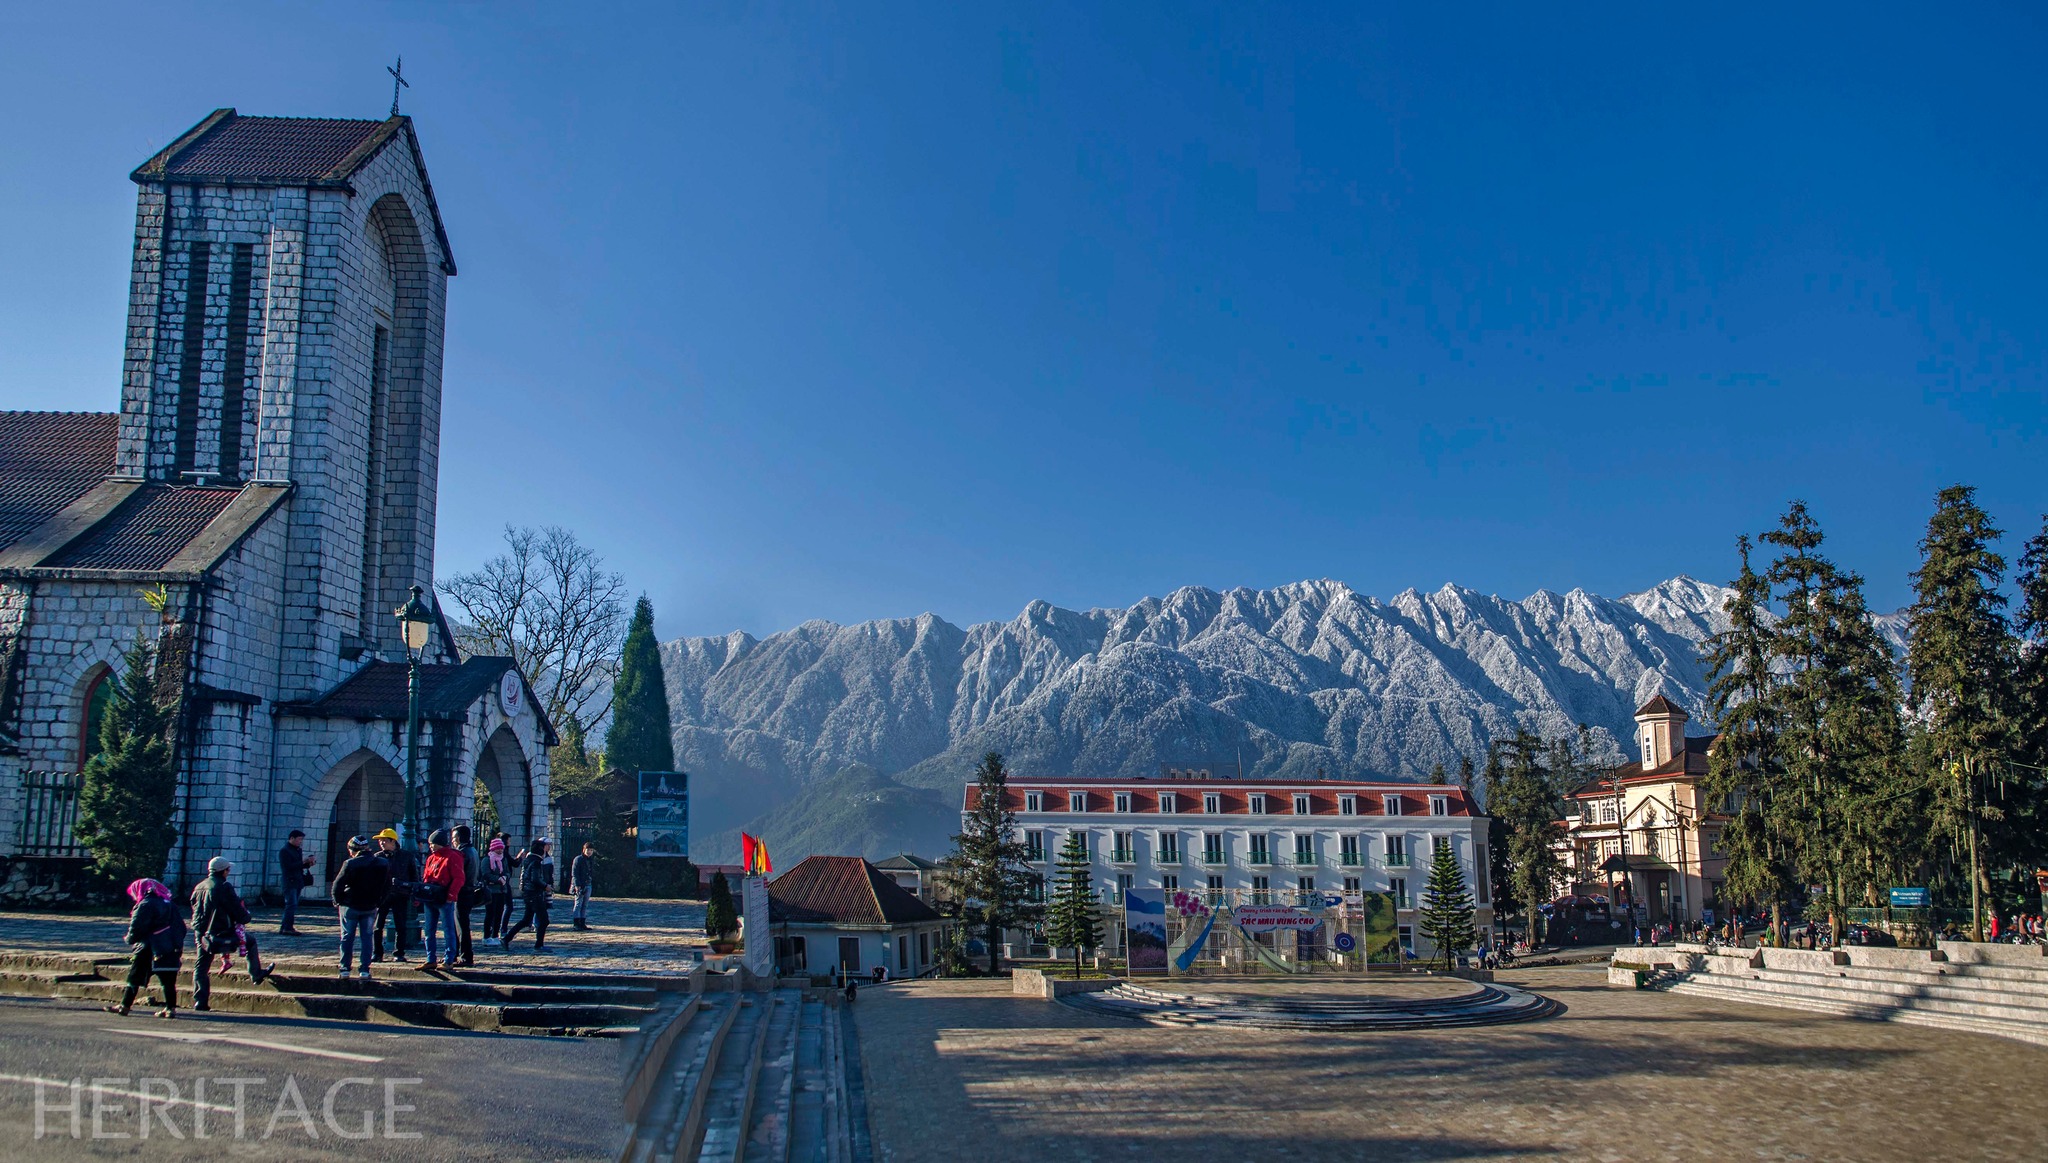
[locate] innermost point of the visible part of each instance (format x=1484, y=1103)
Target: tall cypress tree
x=1960, y=662
x=987, y=867
x=2028, y=783
x=1072, y=918
x=640, y=739
x=129, y=792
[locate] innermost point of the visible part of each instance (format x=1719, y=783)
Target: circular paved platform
x=1409, y=1005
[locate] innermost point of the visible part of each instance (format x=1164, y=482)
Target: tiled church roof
x=150, y=528
x=47, y=461
x=228, y=147
x=447, y=691
x=844, y=890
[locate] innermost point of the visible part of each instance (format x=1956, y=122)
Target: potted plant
x=721, y=920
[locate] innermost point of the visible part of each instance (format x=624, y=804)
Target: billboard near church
x=664, y=820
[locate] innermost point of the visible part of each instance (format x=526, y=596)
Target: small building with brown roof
x=834, y=914
x=255, y=510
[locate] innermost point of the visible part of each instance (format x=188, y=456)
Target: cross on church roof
x=397, y=81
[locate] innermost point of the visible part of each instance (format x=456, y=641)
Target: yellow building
x=1643, y=833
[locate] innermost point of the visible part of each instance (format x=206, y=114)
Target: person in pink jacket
x=440, y=885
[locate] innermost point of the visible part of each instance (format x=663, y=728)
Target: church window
x=370, y=619
x=191, y=362
x=235, y=374
x=98, y=694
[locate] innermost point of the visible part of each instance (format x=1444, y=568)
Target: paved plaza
x=964, y=1069
x=636, y=936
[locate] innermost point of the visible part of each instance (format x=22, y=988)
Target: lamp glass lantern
x=416, y=620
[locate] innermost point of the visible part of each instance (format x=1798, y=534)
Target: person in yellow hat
x=397, y=906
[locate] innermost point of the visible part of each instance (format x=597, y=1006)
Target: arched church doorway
x=507, y=786
x=370, y=800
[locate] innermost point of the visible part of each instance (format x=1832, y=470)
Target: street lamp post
x=416, y=621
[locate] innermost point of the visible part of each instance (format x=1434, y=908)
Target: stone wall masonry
x=1975, y=953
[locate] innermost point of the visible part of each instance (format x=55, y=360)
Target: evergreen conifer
x=721, y=919
x=1745, y=776
x=640, y=737
x=128, y=795
x=1447, y=914
x=987, y=868
x=1071, y=919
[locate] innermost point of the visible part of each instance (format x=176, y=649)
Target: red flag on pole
x=754, y=857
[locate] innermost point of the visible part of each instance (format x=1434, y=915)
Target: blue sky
x=862, y=311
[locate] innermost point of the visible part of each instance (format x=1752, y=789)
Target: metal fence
x=49, y=814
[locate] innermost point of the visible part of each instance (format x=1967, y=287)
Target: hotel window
x=1212, y=848
x=1215, y=889
x=1034, y=846
x=1258, y=804
x=1438, y=844
x=1304, y=848
x=1397, y=852
x=1350, y=884
x=1391, y=805
x=1484, y=874
x=1406, y=933
x=1169, y=882
x=1169, y=802
x=1124, y=848
x=1077, y=801
x=1259, y=849
x=1439, y=805
x=1302, y=807
x=1347, y=805
x=1169, y=847
x=1035, y=890
x=1262, y=891
x=1034, y=801
x=1347, y=851
x=1212, y=802
x=1123, y=885
x=1123, y=801
x=1399, y=887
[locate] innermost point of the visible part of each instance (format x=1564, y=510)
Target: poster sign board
x=1909, y=898
x=1269, y=918
x=664, y=814
x=1145, y=929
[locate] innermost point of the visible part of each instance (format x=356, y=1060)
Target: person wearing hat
x=497, y=885
x=472, y=888
x=536, y=885
x=359, y=890
x=397, y=905
x=219, y=926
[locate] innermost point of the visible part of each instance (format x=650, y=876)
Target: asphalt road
x=156, y=1089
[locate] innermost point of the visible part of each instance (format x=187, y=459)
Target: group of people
x=376, y=888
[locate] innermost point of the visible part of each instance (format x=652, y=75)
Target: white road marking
x=258, y=1043
x=65, y=1084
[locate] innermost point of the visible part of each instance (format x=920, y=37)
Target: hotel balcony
x=1350, y=860
x=1305, y=859
x=1123, y=856
x=1396, y=860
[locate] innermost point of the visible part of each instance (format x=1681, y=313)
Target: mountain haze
x=857, y=739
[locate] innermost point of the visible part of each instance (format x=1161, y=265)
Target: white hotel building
x=1274, y=841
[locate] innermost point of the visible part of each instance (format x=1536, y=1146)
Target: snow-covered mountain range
x=857, y=739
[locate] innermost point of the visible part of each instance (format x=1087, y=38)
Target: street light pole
x=416, y=621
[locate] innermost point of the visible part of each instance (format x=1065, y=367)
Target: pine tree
x=640, y=738
x=1837, y=708
x=1071, y=919
x=1961, y=664
x=1525, y=798
x=1744, y=773
x=987, y=865
x=721, y=920
x=128, y=796
x=2028, y=782
x=1447, y=914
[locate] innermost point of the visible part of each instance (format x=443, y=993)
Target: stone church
x=257, y=509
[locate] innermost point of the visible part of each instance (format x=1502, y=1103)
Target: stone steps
x=1487, y=1005
x=733, y=1078
x=1878, y=995
x=1828, y=1003
x=498, y=1002
x=670, y=1126
x=812, y=1091
x=775, y=1081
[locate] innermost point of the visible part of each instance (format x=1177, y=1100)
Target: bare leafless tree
x=550, y=604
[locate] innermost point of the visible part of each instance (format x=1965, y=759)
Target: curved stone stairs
x=1484, y=1005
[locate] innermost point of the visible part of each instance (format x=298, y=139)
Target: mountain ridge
x=1304, y=679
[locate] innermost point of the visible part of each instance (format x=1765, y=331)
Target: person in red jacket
x=440, y=887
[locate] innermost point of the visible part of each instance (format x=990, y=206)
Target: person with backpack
x=472, y=889
x=536, y=880
x=439, y=888
x=156, y=939
x=219, y=928
x=397, y=905
x=359, y=890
